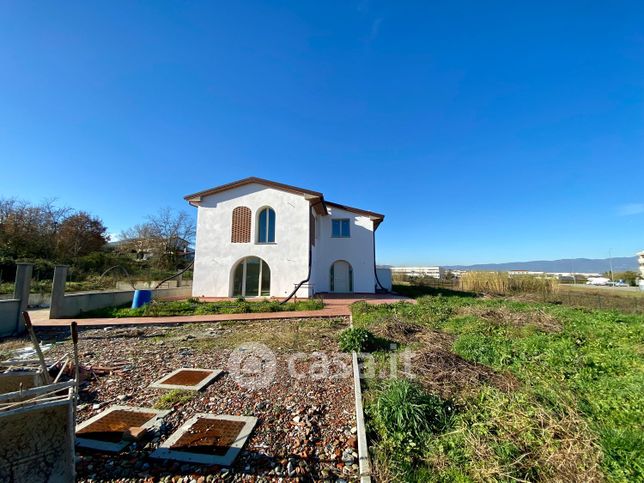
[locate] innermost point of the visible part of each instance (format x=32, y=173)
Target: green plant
x=192, y=306
x=355, y=339
x=173, y=398
x=405, y=418
x=545, y=392
x=404, y=407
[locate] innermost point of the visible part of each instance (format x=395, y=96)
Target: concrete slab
x=208, y=439
x=191, y=379
x=116, y=428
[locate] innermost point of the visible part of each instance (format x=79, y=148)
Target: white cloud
x=630, y=209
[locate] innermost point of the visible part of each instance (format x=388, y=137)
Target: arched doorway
x=341, y=277
x=251, y=278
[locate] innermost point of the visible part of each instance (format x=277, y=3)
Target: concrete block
x=187, y=378
x=112, y=429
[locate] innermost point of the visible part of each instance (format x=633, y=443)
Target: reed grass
x=502, y=283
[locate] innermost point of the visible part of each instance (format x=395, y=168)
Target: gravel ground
x=306, y=428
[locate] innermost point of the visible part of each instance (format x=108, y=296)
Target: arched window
x=240, y=231
x=266, y=226
x=341, y=277
x=252, y=278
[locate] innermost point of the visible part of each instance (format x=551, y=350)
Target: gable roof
x=253, y=180
x=316, y=198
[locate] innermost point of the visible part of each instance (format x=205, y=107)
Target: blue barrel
x=141, y=297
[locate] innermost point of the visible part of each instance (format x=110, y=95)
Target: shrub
x=355, y=339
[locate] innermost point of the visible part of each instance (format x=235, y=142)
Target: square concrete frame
x=11, y=381
x=153, y=423
x=160, y=384
x=38, y=439
x=165, y=451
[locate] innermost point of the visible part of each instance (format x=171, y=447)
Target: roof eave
x=196, y=197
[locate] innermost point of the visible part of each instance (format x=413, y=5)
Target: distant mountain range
x=577, y=265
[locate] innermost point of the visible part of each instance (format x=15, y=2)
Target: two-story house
x=259, y=238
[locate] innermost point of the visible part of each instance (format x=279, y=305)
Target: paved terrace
x=335, y=305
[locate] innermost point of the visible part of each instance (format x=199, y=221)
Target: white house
x=259, y=238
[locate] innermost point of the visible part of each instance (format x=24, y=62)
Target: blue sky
x=485, y=131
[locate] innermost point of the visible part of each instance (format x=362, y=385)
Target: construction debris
x=38, y=424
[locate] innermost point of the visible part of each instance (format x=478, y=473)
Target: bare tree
x=165, y=237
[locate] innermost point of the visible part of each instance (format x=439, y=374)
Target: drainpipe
x=297, y=287
x=308, y=275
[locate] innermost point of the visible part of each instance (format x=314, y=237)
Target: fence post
x=58, y=291
x=21, y=292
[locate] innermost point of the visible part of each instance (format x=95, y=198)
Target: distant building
x=640, y=259
x=144, y=249
x=434, y=272
x=524, y=272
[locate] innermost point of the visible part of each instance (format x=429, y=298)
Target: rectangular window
x=340, y=228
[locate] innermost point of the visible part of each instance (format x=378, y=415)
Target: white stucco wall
x=357, y=250
x=216, y=256
x=384, y=277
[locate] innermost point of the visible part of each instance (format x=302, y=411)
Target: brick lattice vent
x=241, y=225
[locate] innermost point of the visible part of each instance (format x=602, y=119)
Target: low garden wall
x=9, y=311
x=11, y=322
x=65, y=306
x=35, y=299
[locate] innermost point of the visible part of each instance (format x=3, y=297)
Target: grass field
x=195, y=307
x=506, y=390
x=625, y=299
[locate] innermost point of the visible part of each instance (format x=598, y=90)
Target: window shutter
x=241, y=225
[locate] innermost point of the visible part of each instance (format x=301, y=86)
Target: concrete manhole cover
x=117, y=427
x=208, y=439
x=186, y=378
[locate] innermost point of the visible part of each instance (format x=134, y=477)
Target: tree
x=78, y=235
x=27, y=230
x=45, y=234
x=165, y=237
x=629, y=276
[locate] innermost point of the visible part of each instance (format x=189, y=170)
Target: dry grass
x=504, y=316
x=568, y=450
x=502, y=283
x=436, y=367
